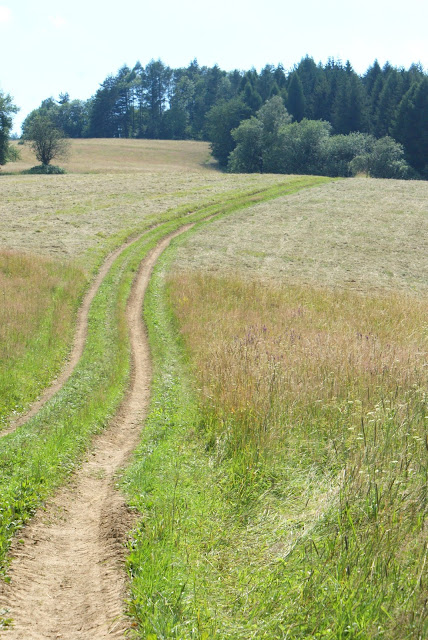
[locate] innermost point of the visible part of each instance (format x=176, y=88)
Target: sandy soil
x=67, y=574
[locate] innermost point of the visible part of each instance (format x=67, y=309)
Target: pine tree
x=251, y=97
x=310, y=76
x=156, y=85
x=411, y=126
x=296, y=99
x=371, y=76
x=358, y=108
x=389, y=99
x=350, y=110
x=266, y=83
x=102, y=123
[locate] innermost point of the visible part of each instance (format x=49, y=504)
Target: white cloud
x=5, y=14
x=57, y=21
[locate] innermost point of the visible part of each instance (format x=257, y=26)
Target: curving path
x=67, y=574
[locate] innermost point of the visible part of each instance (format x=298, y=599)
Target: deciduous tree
x=7, y=109
x=385, y=160
x=46, y=140
x=221, y=120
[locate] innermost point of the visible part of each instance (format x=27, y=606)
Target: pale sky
x=53, y=46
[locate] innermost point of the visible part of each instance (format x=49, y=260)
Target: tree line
x=208, y=103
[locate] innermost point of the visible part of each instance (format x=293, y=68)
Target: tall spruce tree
x=251, y=96
x=102, y=118
x=310, y=76
x=411, y=126
x=350, y=109
x=389, y=99
x=296, y=98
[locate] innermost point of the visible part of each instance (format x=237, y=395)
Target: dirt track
x=67, y=576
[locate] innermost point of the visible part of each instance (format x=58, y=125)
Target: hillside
x=257, y=445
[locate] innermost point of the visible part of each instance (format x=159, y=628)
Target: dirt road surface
x=67, y=573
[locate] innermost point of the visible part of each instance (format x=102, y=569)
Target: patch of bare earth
x=67, y=574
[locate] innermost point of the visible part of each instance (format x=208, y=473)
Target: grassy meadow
x=282, y=476
x=98, y=155
x=39, y=299
x=39, y=456
x=113, y=188
x=281, y=481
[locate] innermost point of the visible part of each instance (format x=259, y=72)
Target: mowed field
x=280, y=486
x=112, y=188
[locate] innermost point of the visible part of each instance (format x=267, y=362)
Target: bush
x=47, y=169
x=269, y=143
x=340, y=150
x=385, y=160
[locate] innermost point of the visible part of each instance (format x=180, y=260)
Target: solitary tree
x=7, y=108
x=47, y=141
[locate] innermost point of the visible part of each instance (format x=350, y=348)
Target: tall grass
x=38, y=301
x=276, y=358
x=288, y=498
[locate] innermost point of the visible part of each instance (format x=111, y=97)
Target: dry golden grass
x=271, y=352
x=313, y=414
x=106, y=155
x=38, y=299
x=26, y=287
x=357, y=233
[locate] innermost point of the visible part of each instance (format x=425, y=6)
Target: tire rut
x=78, y=342
x=67, y=572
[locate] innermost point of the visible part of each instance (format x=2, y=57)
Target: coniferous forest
x=315, y=118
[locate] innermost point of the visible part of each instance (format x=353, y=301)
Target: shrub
x=385, y=160
x=47, y=169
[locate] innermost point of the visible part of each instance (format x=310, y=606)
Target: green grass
x=171, y=486
x=296, y=520
x=39, y=300
x=40, y=455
